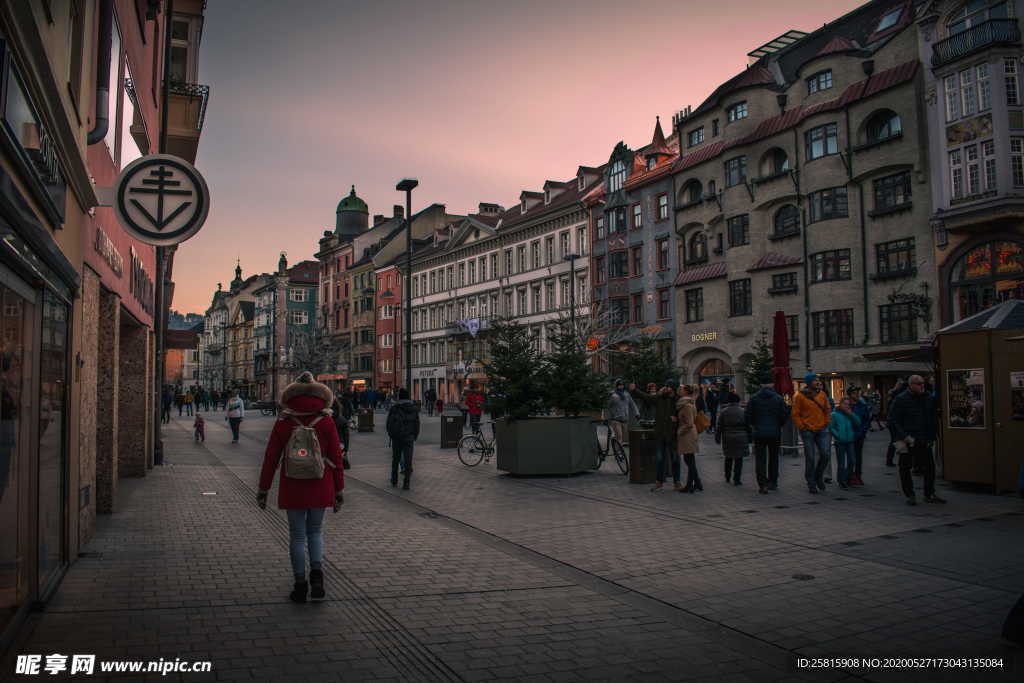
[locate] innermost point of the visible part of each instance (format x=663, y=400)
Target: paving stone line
x=392, y=639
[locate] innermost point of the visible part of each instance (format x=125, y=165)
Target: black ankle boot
x=298, y=594
x=316, y=584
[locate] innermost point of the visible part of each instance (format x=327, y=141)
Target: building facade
x=181, y=358
x=77, y=291
x=972, y=59
x=803, y=187
x=284, y=332
x=634, y=257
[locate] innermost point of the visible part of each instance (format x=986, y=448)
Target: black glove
x=261, y=499
x=339, y=500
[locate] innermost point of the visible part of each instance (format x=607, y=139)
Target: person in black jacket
x=403, y=427
x=914, y=425
x=766, y=413
x=711, y=400
x=663, y=403
x=342, y=411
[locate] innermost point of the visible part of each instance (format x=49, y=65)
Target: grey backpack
x=302, y=456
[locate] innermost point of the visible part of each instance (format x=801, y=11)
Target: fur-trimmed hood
x=305, y=385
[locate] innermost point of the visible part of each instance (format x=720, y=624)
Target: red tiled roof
x=837, y=44
x=706, y=272
x=868, y=87
x=305, y=272
x=756, y=76
x=774, y=260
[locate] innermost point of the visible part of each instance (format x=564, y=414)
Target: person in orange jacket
x=811, y=415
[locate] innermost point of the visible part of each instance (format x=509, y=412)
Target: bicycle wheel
x=620, y=456
x=471, y=450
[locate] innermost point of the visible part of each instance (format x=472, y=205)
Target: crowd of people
x=679, y=413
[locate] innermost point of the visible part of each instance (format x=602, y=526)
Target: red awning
x=707, y=272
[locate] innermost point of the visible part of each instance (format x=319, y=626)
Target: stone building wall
x=87, y=381
x=133, y=416
x=106, y=400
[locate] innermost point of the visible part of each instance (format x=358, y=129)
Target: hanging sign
x=161, y=200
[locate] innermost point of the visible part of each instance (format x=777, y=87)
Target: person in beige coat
x=687, y=436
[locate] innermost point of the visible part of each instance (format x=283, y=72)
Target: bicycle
x=475, y=447
x=612, y=446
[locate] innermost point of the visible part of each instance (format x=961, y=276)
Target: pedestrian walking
x=199, y=426
x=766, y=413
x=474, y=400
x=688, y=436
x=430, y=398
x=862, y=409
x=734, y=435
x=403, y=425
x=622, y=410
x=179, y=400
x=342, y=411
x=235, y=408
x=167, y=400
x=874, y=401
x=914, y=425
x=890, y=452
x=811, y=415
x=711, y=399
x=844, y=426
x=312, y=477
x=188, y=403
x=663, y=405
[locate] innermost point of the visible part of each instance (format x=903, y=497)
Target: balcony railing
x=992, y=32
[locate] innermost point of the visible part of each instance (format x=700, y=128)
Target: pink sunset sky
x=478, y=99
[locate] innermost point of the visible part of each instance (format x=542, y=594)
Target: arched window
x=882, y=126
x=698, y=247
x=787, y=221
x=976, y=12
x=985, y=276
x=692, y=192
x=774, y=161
x=711, y=187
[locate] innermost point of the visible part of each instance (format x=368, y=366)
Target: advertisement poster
x=1017, y=395
x=965, y=391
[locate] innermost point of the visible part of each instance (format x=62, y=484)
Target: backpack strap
x=314, y=421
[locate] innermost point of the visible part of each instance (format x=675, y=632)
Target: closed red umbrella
x=780, y=356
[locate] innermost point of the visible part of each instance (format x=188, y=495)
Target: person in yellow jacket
x=811, y=414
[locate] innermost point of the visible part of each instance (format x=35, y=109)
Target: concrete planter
x=547, y=445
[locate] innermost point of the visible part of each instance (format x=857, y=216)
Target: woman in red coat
x=305, y=499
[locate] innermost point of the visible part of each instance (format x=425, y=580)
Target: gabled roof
x=305, y=273
x=837, y=44
x=572, y=195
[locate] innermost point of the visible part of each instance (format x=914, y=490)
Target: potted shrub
x=527, y=383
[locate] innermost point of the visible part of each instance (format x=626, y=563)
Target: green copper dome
x=352, y=203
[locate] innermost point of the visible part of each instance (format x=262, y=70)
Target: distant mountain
x=177, y=321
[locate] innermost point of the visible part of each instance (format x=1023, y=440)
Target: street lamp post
x=407, y=185
x=571, y=258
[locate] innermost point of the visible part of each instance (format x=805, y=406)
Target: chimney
x=399, y=211
x=378, y=218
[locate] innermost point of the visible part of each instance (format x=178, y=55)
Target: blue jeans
x=306, y=527
x=817, y=452
x=667, y=446
x=845, y=462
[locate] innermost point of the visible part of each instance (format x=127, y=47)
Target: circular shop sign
x=161, y=199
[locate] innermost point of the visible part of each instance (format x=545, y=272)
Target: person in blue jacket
x=863, y=410
x=844, y=427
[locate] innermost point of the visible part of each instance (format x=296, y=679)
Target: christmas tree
x=512, y=372
x=760, y=365
x=571, y=385
x=642, y=364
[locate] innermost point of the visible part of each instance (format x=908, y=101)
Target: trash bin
x=364, y=423
x=643, y=453
x=452, y=424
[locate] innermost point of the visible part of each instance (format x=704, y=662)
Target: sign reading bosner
x=161, y=199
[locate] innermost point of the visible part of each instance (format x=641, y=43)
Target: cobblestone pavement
x=473, y=575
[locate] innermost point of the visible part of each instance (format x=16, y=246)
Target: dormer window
x=522, y=207
x=547, y=196
x=617, y=176
x=889, y=19
x=652, y=161
x=819, y=81
x=581, y=182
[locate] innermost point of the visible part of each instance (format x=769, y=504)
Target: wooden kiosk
x=981, y=383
